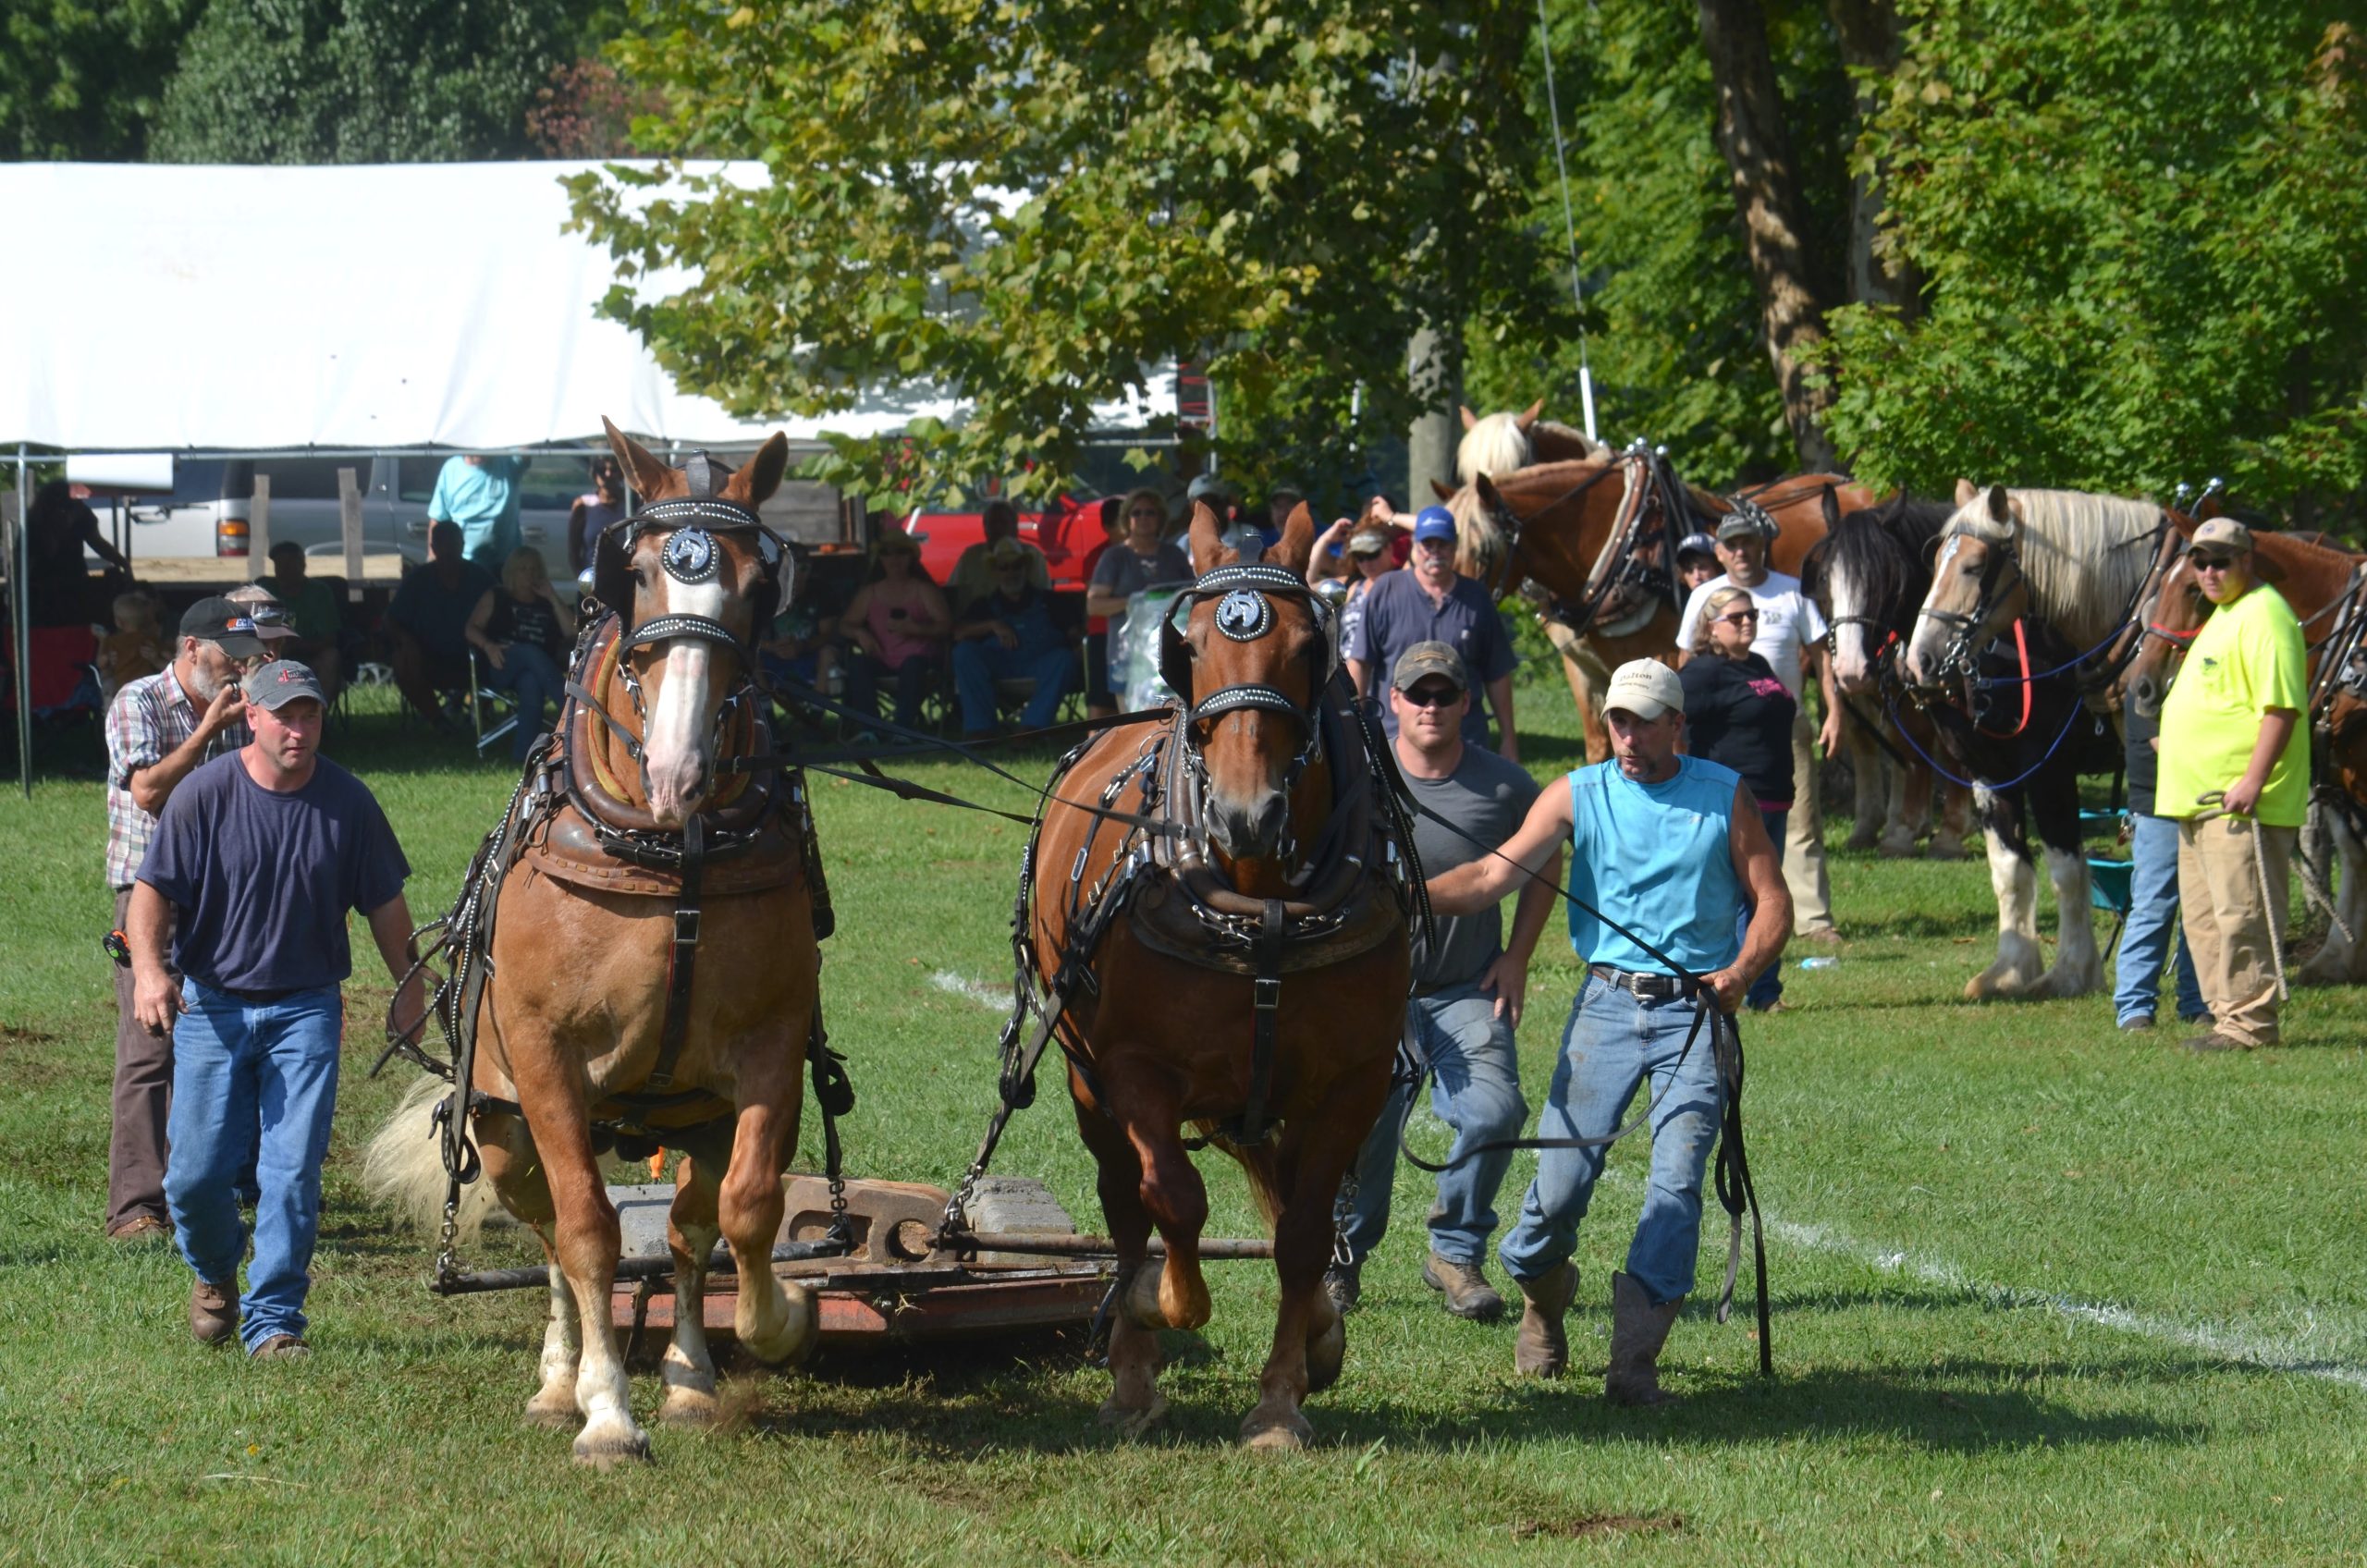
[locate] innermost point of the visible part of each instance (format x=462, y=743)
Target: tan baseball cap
x=1646, y=687
x=1430, y=658
x=2225, y=534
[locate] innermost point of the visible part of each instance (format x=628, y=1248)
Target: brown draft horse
x=572, y=1019
x=2326, y=587
x=1574, y=526
x=1282, y=835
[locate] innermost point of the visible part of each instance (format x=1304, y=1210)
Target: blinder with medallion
x=1245, y=616
x=690, y=555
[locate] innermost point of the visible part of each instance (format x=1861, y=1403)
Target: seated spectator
x=312, y=610
x=973, y=579
x=1010, y=635
x=895, y=625
x=524, y=631
x=429, y=621
x=1140, y=559
x=595, y=512
x=135, y=649
x=270, y=616
x=1738, y=714
x=798, y=645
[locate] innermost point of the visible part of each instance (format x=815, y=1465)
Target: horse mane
x=1493, y=445
x=1883, y=548
x=1497, y=446
x=2079, y=551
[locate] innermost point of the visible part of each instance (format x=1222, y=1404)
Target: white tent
x=163, y=306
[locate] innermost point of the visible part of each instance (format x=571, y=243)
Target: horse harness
x=569, y=820
x=1177, y=903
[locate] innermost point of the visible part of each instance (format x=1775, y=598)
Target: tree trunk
x=1429, y=443
x=1871, y=41
x=1750, y=134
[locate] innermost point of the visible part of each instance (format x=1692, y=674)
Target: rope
x=1933, y=763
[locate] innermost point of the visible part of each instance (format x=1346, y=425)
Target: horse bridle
x=690, y=557
x=1962, y=656
x=1246, y=614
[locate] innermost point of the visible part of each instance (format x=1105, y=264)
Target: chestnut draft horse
x=1216, y=907
x=2326, y=587
x=1599, y=536
x=654, y=970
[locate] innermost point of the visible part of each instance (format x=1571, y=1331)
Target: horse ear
x=760, y=475
x=647, y=475
x=1469, y=419
x=1490, y=497
x=2001, y=505
x=1296, y=546
x=1208, y=551
x=1528, y=418
x=1442, y=489
x=1829, y=501
x=1966, y=491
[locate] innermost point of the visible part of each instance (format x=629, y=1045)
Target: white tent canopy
x=165, y=307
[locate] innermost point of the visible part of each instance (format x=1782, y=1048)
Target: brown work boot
x=282, y=1347
x=1637, y=1331
x=214, y=1312
x=1541, y=1349
x=1466, y=1290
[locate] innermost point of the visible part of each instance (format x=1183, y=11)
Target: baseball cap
x=1433, y=523
x=1007, y=552
x=2223, y=533
x=263, y=607
x=1740, y=525
x=1429, y=658
x=1207, y=487
x=225, y=625
x=282, y=681
x=1368, y=541
x=1696, y=545
x=892, y=539
x=1646, y=687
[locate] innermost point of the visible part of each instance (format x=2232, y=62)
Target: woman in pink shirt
x=897, y=624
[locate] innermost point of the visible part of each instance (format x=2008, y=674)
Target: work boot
x=214, y=1312
x=1541, y=1349
x=1466, y=1290
x=1343, y=1282
x=1637, y=1331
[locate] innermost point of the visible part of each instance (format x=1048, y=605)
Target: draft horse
x=1213, y=923
x=2326, y=587
x=635, y=955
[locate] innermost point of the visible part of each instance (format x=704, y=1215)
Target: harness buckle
x=1266, y=993
x=686, y=927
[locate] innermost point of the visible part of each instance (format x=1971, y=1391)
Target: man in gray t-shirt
x=1469, y=984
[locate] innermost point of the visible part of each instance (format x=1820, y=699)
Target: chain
x=447, y=1254
x=1344, y=1209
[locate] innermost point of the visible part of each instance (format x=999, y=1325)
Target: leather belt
x=1655, y=988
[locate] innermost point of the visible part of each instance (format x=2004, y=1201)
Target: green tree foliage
x=82, y=78
x=2143, y=228
x=1031, y=204
x=1677, y=350
x=286, y=82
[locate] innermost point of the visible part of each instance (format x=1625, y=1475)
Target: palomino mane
x=2082, y=552
x=1497, y=446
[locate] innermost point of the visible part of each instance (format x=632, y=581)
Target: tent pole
x=19, y=572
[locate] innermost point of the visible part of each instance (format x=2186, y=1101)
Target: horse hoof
x=1131, y=1421
x=795, y=1339
x=1899, y=849
x=1863, y=838
x=1139, y=1301
x=1325, y=1353
x=1286, y=1433
x=610, y=1449
x=553, y=1415
x=692, y=1409
x=1944, y=848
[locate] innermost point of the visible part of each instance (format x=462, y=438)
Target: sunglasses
x=2213, y=563
x=1429, y=697
x=1740, y=618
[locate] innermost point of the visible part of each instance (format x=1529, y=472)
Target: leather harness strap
x=682, y=956
x=1265, y=1001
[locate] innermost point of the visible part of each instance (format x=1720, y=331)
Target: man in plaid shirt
x=158, y=731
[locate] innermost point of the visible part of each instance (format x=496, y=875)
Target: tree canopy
x=1035, y=207
x=82, y=78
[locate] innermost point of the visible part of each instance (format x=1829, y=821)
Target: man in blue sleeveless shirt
x=1672, y=848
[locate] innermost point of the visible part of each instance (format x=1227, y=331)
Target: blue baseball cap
x=1433, y=523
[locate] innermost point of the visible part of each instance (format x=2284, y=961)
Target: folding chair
x=2108, y=878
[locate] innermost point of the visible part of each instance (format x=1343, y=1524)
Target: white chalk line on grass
x=2227, y=1344
x=997, y=997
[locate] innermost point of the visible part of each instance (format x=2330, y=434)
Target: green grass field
x=2044, y=1292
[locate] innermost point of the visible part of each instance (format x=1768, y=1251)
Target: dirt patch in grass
x=1589, y=1526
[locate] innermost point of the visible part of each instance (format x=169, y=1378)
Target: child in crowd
x=135, y=649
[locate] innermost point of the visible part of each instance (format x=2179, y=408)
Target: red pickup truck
x=1068, y=531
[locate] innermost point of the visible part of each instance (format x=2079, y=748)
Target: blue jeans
x=1767, y=989
x=2153, y=910
x=1476, y=1090
x=258, y=1076
x=979, y=662
x=1617, y=1043
x=913, y=679
x=535, y=679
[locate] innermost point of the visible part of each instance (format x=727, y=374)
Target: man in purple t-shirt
x=256, y=858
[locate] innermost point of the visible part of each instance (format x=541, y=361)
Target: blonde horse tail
x=402, y=1166
x=1257, y=1164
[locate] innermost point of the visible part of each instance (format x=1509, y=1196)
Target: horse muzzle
x=1252, y=831
x=2146, y=693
